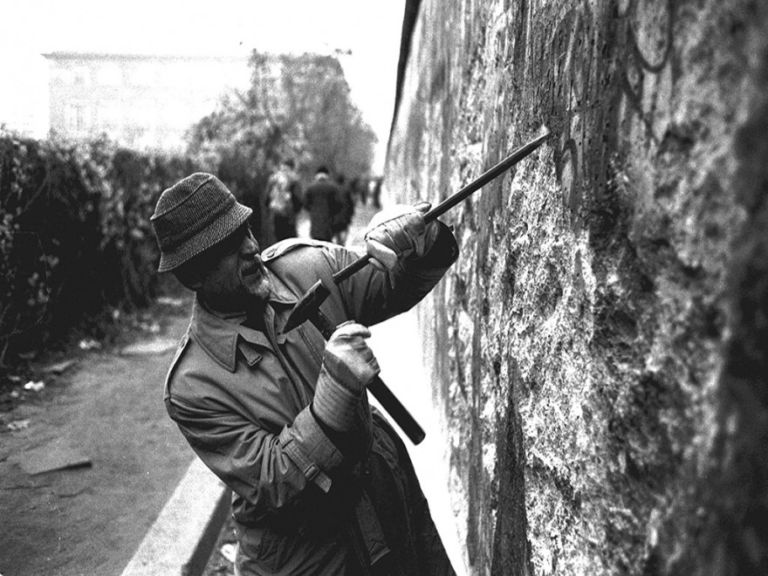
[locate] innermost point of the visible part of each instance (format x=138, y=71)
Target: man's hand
x=397, y=232
x=348, y=367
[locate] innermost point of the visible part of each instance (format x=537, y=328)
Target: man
x=284, y=196
x=322, y=484
x=322, y=199
x=344, y=216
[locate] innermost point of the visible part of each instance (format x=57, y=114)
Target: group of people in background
x=329, y=202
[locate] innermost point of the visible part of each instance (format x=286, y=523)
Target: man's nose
x=250, y=247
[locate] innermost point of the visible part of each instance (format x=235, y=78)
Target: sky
x=369, y=29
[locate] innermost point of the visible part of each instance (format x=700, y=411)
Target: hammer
x=308, y=307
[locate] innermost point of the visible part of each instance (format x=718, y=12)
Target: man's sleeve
x=267, y=469
x=372, y=296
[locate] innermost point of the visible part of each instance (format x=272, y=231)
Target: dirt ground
x=108, y=409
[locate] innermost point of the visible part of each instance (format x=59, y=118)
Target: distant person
x=284, y=192
x=343, y=217
x=322, y=199
x=355, y=189
x=376, y=192
x=362, y=191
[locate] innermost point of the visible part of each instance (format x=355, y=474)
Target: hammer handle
x=396, y=410
x=380, y=391
x=490, y=174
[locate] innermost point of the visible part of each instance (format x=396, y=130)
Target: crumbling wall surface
x=600, y=346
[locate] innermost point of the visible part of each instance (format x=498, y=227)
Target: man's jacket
x=306, y=499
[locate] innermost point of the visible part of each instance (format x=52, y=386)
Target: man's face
x=235, y=275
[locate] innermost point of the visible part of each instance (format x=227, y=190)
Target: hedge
x=75, y=236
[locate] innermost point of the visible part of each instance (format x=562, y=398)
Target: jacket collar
x=221, y=335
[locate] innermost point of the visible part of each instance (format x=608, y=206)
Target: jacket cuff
x=310, y=449
x=335, y=404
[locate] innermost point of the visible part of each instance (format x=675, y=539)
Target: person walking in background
x=322, y=484
x=343, y=218
x=376, y=192
x=357, y=187
x=322, y=199
x=284, y=200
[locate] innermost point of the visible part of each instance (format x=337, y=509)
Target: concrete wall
x=600, y=348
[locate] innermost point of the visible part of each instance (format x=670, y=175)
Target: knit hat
x=193, y=215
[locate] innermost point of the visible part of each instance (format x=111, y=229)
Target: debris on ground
x=229, y=551
x=58, y=455
x=223, y=562
x=18, y=425
x=155, y=346
x=38, y=386
x=59, y=367
x=89, y=344
x=151, y=327
x=168, y=301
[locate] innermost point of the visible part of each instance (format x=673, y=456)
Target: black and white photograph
x=401, y=288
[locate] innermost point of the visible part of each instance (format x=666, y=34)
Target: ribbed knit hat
x=193, y=215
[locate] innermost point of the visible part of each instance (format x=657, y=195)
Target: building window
x=82, y=75
x=74, y=118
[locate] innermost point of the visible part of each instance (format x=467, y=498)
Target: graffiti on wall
x=596, y=75
x=599, y=75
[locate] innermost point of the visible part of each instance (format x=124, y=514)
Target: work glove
x=398, y=232
x=348, y=367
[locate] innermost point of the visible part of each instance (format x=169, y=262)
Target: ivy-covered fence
x=75, y=236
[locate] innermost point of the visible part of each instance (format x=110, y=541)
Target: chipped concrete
x=603, y=331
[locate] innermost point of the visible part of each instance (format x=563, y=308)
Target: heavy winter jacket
x=306, y=499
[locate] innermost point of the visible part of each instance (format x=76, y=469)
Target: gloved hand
x=348, y=367
x=397, y=232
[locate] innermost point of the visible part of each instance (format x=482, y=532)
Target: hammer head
x=307, y=307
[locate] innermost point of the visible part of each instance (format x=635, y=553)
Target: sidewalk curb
x=182, y=538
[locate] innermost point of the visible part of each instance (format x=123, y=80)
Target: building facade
x=140, y=101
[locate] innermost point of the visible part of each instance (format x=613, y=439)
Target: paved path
x=88, y=521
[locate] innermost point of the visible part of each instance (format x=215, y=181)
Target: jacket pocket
x=267, y=551
x=264, y=550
